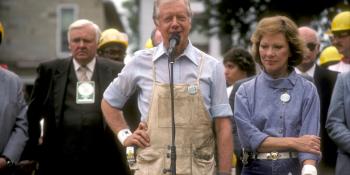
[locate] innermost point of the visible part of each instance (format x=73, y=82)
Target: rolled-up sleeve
x=119, y=90
x=219, y=106
x=252, y=137
x=310, y=119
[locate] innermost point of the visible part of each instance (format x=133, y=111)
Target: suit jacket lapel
x=60, y=82
x=317, y=76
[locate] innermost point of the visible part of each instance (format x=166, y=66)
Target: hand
x=26, y=166
x=139, y=138
x=309, y=144
x=2, y=163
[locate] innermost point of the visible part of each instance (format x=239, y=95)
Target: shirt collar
x=309, y=72
x=190, y=53
x=280, y=83
x=90, y=65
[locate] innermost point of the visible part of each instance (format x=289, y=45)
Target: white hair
x=84, y=22
x=158, y=2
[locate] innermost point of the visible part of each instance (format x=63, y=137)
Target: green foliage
x=235, y=20
x=133, y=19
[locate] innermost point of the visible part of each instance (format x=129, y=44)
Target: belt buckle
x=273, y=156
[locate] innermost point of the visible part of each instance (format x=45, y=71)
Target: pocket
x=183, y=111
x=149, y=162
x=183, y=160
x=203, y=162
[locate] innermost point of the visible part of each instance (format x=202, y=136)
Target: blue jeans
x=272, y=167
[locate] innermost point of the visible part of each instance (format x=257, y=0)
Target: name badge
x=285, y=97
x=192, y=89
x=85, y=92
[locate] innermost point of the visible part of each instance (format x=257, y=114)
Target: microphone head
x=175, y=37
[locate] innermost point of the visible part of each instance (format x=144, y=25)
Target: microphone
x=173, y=42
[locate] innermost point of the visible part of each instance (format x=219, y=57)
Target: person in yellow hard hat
x=113, y=45
x=340, y=29
x=329, y=56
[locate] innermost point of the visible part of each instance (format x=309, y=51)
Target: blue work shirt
x=260, y=112
x=138, y=74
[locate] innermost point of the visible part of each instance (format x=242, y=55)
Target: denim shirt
x=260, y=111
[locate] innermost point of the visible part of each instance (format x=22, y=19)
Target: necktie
x=83, y=73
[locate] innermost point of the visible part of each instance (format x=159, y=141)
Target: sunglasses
x=311, y=46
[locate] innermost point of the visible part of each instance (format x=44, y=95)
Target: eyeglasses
x=311, y=46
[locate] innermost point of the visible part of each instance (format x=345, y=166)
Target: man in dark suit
x=324, y=81
x=67, y=95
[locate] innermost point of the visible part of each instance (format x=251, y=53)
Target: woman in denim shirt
x=277, y=113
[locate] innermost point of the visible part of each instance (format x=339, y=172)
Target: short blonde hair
x=284, y=25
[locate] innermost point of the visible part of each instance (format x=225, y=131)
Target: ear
x=156, y=22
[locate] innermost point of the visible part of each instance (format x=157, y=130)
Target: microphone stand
x=172, y=147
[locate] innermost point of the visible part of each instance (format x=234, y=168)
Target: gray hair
x=157, y=3
x=84, y=22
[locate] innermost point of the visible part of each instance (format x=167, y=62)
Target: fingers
x=140, y=137
x=310, y=144
x=142, y=126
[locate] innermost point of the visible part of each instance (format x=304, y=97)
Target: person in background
x=340, y=29
x=324, y=80
x=338, y=122
x=67, y=94
x=155, y=39
x=113, y=45
x=329, y=56
x=239, y=64
x=200, y=106
x=281, y=136
x=13, y=118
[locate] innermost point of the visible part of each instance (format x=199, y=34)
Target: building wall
x=31, y=31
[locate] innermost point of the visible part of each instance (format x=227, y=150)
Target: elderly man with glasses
x=324, y=81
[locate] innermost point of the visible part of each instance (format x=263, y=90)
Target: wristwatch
x=9, y=163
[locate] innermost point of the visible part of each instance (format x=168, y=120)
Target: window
x=66, y=14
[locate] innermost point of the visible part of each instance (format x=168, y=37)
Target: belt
x=274, y=155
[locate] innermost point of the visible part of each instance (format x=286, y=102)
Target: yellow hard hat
x=341, y=22
x=330, y=54
x=1, y=32
x=113, y=36
x=148, y=44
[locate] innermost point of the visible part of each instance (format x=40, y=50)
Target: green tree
x=133, y=7
x=235, y=20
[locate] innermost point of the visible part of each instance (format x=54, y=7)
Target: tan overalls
x=195, y=142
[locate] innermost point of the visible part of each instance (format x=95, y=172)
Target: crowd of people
x=173, y=109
